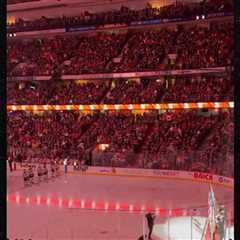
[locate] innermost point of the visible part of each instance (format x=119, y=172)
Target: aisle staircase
x=110, y=65
x=208, y=134
x=139, y=148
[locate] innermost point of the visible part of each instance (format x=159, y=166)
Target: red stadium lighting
x=106, y=205
x=82, y=204
x=157, y=211
x=186, y=106
x=17, y=199
x=184, y=212
x=45, y=107
x=48, y=201
x=93, y=205
x=70, y=203
x=130, y=208
x=60, y=202
x=68, y=107
x=117, y=206
x=130, y=106
x=143, y=208
x=38, y=200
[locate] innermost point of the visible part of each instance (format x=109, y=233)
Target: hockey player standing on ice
x=10, y=160
x=150, y=220
x=25, y=177
x=65, y=163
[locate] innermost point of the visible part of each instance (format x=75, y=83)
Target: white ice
x=52, y=222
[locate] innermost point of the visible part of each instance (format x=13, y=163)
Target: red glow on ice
x=65, y=203
x=54, y=201
x=106, y=206
x=27, y=200
x=130, y=208
x=17, y=199
x=91, y=205
x=38, y=200
x=76, y=203
x=60, y=202
x=83, y=204
x=70, y=203
x=43, y=200
x=117, y=207
x=177, y=212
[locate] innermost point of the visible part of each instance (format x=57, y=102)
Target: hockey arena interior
x=120, y=120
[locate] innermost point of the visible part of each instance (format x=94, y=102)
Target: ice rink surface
x=54, y=222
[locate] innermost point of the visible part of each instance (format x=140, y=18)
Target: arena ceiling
x=54, y=8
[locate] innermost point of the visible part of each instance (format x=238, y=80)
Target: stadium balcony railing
x=108, y=20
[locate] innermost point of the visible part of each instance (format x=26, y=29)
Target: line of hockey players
x=40, y=173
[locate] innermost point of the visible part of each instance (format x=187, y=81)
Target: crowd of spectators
x=72, y=54
x=201, y=89
x=192, y=142
x=181, y=140
x=181, y=48
x=50, y=92
x=219, y=148
x=181, y=134
x=179, y=9
x=192, y=89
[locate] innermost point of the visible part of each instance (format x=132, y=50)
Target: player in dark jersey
x=39, y=172
x=57, y=168
x=25, y=177
x=10, y=162
x=45, y=172
x=150, y=220
x=31, y=174
x=53, y=169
